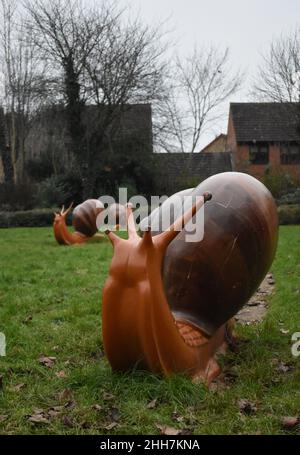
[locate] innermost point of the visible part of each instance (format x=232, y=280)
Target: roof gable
x=266, y=122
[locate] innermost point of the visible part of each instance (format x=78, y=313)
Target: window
x=259, y=154
x=290, y=153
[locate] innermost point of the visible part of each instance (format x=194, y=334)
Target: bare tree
x=278, y=77
x=102, y=61
x=200, y=85
x=20, y=82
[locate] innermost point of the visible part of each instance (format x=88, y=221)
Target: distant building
x=179, y=171
x=217, y=145
x=264, y=136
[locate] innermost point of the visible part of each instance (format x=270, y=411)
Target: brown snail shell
x=207, y=282
x=84, y=216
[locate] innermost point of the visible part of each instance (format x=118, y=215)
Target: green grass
x=60, y=289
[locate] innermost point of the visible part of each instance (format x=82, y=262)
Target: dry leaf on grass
x=108, y=396
x=152, y=404
x=61, y=374
x=39, y=416
x=176, y=417
x=47, y=361
x=289, y=423
x=166, y=430
x=283, y=367
x=97, y=407
x=246, y=406
x=70, y=404
x=65, y=395
x=3, y=417
x=114, y=414
x=110, y=426
x=18, y=387
x=67, y=422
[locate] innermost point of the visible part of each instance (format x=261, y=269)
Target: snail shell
x=84, y=216
x=207, y=282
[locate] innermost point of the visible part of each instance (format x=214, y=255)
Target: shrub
x=289, y=214
x=58, y=190
x=278, y=182
x=19, y=196
x=28, y=218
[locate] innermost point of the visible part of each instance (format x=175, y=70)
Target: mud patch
x=255, y=309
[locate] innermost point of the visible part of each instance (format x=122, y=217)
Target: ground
x=55, y=378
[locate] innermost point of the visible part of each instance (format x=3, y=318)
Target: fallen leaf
x=47, y=361
x=3, y=417
x=67, y=421
x=38, y=417
x=97, y=407
x=246, y=406
x=166, y=430
x=114, y=414
x=108, y=396
x=53, y=413
x=177, y=417
x=61, y=374
x=110, y=426
x=283, y=367
x=58, y=408
x=288, y=423
x=65, y=395
x=186, y=432
x=70, y=404
x=18, y=387
x=152, y=404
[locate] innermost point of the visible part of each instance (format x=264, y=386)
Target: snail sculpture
x=83, y=220
x=167, y=303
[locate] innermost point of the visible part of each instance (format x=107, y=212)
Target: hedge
x=28, y=218
x=288, y=214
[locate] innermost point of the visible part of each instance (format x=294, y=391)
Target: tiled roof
x=266, y=122
x=196, y=165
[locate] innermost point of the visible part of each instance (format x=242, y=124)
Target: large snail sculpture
x=84, y=221
x=167, y=303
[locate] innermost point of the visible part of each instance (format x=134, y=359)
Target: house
x=263, y=137
x=178, y=171
x=217, y=145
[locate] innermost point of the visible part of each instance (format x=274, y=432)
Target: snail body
x=84, y=216
x=208, y=282
x=167, y=302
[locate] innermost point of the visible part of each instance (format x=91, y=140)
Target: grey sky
x=245, y=26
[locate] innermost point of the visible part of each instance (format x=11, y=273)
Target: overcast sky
x=245, y=26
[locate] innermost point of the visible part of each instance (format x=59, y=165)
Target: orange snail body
x=154, y=316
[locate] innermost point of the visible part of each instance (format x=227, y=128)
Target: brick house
x=216, y=145
x=264, y=136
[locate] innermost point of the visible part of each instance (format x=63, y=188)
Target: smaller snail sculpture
x=84, y=221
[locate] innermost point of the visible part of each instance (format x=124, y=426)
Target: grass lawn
x=50, y=305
